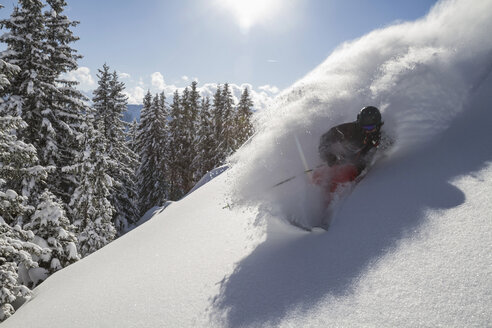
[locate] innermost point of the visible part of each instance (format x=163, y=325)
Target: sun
x=248, y=13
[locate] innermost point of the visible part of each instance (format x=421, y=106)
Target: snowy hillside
x=410, y=247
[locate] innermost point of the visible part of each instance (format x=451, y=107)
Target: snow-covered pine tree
x=26, y=49
x=15, y=250
x=206, y=142
x=229, y=140
x=110, y=103
x=19, y=169
x=102, y=103
x=152, y=144
x=7, y=71
x=52, y=229
x=18, y=161
x=66, y=102
x=30, y=90
x=91, y=208
x=243, y=123
x=176, y=143
x=191, y=107
x=185, y=158
x=59, y=36
x=125, y=200
x=218, y=124
x=37, y=44
x=133, y=132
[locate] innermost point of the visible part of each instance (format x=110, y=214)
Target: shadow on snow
x=279, y=276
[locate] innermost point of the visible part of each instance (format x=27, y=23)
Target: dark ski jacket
x=348, y=144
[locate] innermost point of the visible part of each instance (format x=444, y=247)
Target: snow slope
x=410, y=247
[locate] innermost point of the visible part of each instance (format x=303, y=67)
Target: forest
x=75, y=176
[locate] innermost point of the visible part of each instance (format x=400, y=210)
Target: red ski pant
x=331, y=177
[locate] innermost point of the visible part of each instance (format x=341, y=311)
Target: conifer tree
x=16, y=249
x=218, y=123
x=228, y=139
x=28, y=93
x=26, y=49
x=133, y=132
x=110, y=104
x=7, y=71
x=125, y=200
x=38, y=44
x=223, y=118
x=59, y=36
x=191, y=104
x=176, y=143
x=185, y=145
x=19, y=168
x=206, y=142
x=66, y=101
x=19, y=171
x=152, y=144
x=50, y=223
x=91, y=208
x=243, y=124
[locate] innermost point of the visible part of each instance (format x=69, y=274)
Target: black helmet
x=368, y=116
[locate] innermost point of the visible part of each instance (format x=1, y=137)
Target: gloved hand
x=373, y=139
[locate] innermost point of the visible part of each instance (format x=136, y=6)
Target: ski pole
x=301, y=154
x=295, y=176
x=307, y=170
x=291, y=178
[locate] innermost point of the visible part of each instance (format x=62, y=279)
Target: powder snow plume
x=420, y=74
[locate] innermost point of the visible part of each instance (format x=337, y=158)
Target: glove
x=373, y=139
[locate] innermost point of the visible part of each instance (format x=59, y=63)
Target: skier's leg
x=342, y=174
x=339, y=176
x=320, y=175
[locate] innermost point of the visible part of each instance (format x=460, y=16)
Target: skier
x=346, y=150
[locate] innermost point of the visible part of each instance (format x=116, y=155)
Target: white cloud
x=272, y=61
x=185, y=78
x=125, y=75
x=135, y=95
x=269, y=88
x=83, y=76
x=157, y=81
x=261, y=96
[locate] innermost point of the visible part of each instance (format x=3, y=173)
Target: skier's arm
x=380, y=145
x=326, y=149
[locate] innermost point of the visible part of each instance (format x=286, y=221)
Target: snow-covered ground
x=410, y=247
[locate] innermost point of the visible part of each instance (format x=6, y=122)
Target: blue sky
x=269, y=44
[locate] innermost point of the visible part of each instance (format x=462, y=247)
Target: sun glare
x=248, y=13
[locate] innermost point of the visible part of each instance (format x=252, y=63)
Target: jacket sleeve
x=380, y=144
x=325, y=146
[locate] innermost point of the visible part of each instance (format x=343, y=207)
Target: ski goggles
x=369, y=128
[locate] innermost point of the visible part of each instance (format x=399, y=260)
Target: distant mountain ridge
x=132, y=113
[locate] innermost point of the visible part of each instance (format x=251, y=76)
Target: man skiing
x=347, y=149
